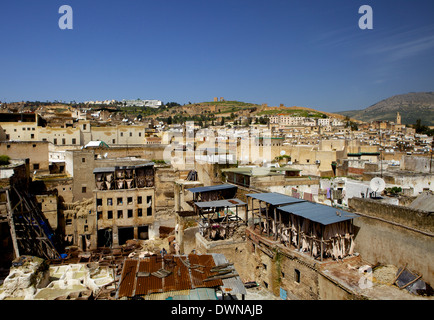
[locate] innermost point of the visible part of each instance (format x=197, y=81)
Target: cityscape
x=214, y=195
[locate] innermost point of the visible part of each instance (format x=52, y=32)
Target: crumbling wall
x=185, y=233
x=274, y=270
x=233, y=249
x=189, y=239
x=296, y=277
x=165, y=196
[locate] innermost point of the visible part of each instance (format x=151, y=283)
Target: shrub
x=4, y=160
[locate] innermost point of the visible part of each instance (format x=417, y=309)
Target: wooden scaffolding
x=30, y=232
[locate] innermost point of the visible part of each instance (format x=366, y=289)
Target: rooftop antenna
x=377, y=185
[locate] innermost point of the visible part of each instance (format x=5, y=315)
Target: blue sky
x=303, y=53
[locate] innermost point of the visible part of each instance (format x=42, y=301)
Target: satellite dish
x=377, y=184
x=282, y=152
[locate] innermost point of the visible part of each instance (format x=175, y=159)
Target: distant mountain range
x=411, y=106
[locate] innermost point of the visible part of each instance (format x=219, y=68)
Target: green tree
x=4, y=160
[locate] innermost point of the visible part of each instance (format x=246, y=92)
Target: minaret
x=398, y=118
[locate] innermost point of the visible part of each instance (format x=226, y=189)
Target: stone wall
x=417, y=219
x=388, y=241
x=36, y=151
x=165, y=196
x=417, y=164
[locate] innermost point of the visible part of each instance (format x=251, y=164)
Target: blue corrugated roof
x=212, y=188
x=220, y=203
x=275, y=198
x=320, y=213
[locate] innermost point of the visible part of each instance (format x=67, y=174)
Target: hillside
x=296, y=111
x=411, y=106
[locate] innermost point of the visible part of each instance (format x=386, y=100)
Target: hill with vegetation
x=412, y=106
x=204, y=113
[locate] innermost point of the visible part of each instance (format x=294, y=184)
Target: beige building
x=120, y=134
x=19, y=127
x=125, y=203
x=60, y=136
x=36, y=151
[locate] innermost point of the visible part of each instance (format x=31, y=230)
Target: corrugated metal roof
x=104, y=169
x=198, y=294
x=274, y=198
x=150, y=284
x=137, y=280
x=320, y=213
x=179, y=279
x=230, y=285
x=212, y=188
x=113, y=169
x=128, y=279
x=198, y=277
x=168, y=295
x=220, y=203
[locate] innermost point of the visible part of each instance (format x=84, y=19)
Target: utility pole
x=430, y=163
x=381, y=154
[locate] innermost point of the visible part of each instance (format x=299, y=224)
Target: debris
x=412, y=282
x=251, y=284
x=221, y=277
x=385, y=274
x=161, y=273
x=221, y=266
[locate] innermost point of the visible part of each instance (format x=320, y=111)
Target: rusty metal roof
x=128, y=280
x=148, y=284
x=186, y=272
x=199, y=274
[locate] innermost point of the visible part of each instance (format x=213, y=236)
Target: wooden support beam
x=12, y=225
x=275, y=224
x=322, y=241
x=260, y=217
x=267, y=221
x=247, y=212
x=298, y=234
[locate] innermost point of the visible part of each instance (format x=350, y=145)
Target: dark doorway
x=83, y=242
x=125, y=234
x=105, y=237
x=143, y=232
